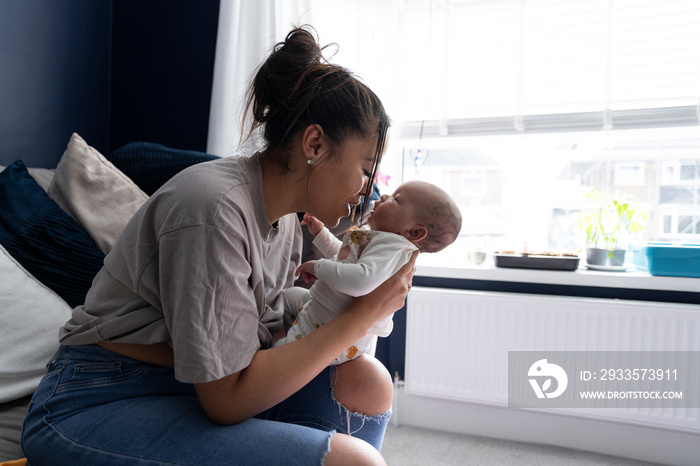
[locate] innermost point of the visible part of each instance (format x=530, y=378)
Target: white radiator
x=457, y=343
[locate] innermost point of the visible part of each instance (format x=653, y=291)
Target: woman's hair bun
x=296, y=86
x=278, y=85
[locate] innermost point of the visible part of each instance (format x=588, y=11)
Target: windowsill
x=630, y=279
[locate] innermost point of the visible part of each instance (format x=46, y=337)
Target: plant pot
x=597, y=256
x=616, y=257
x=607, y=257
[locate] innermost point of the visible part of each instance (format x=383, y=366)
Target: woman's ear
x=314, y=143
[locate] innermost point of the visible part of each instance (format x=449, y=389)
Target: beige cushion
x=95, y=192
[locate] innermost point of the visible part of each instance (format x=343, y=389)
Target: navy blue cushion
x=52, y=246
x=150, y=165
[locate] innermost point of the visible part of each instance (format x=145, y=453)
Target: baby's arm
x=312, y=223
x=380, y=259
x=326, y=243
x=306, y=271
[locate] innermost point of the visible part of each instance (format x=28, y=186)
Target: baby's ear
x=416, y=233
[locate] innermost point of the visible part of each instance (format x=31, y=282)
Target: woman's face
x=339, y=181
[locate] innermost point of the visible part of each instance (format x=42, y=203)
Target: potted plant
x=611, y=215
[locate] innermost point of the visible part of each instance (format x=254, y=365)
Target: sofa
x=56, y=226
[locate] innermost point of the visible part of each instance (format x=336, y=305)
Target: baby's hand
x=313, y=224
x=306, y=270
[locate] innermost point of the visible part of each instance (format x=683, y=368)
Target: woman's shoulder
x=203, y=193
x=218, y=175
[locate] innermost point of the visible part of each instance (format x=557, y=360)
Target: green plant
x=610, y=216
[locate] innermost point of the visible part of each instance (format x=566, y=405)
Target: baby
x=418, y=216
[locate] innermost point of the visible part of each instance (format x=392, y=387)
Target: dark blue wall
x=162, y=71
x=54, y=77
x=113, y=71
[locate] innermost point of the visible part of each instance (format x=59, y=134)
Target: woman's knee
x=363, y=385
x=350, y=450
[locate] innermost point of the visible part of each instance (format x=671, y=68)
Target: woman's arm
x=275, y=374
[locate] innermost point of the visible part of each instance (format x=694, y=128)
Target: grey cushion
x=11, y=418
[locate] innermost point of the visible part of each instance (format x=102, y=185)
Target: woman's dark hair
x=297, y=87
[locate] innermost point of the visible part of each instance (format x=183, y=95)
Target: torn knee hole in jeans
x=349, y=415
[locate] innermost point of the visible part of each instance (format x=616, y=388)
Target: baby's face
x=396, y=213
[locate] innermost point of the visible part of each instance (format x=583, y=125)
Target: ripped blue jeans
x=95, y=406
x=315, y=406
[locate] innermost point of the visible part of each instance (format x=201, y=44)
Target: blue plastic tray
x=669, y=259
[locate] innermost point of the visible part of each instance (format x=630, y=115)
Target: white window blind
x=506, y=66
x=462, y=67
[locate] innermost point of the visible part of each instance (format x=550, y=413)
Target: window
x=630, y=174
x=533, y=185
x=681, y=226
x=519, y=107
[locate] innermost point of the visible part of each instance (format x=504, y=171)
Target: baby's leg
x=296, y=317
x=365, y=345
x=294, y=300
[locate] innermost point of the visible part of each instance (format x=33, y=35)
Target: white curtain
x=247, y=31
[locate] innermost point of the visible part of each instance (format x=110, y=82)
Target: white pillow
x=94, y=192
x=30, y=316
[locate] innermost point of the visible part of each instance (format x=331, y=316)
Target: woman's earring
x=310, y=161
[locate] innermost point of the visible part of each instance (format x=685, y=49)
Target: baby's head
x=422, y=212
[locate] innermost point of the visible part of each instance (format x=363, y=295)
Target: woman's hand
x=390, y=296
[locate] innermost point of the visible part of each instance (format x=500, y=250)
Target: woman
x=169, y=359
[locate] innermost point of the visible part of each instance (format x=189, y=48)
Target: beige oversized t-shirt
x=199, y=267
